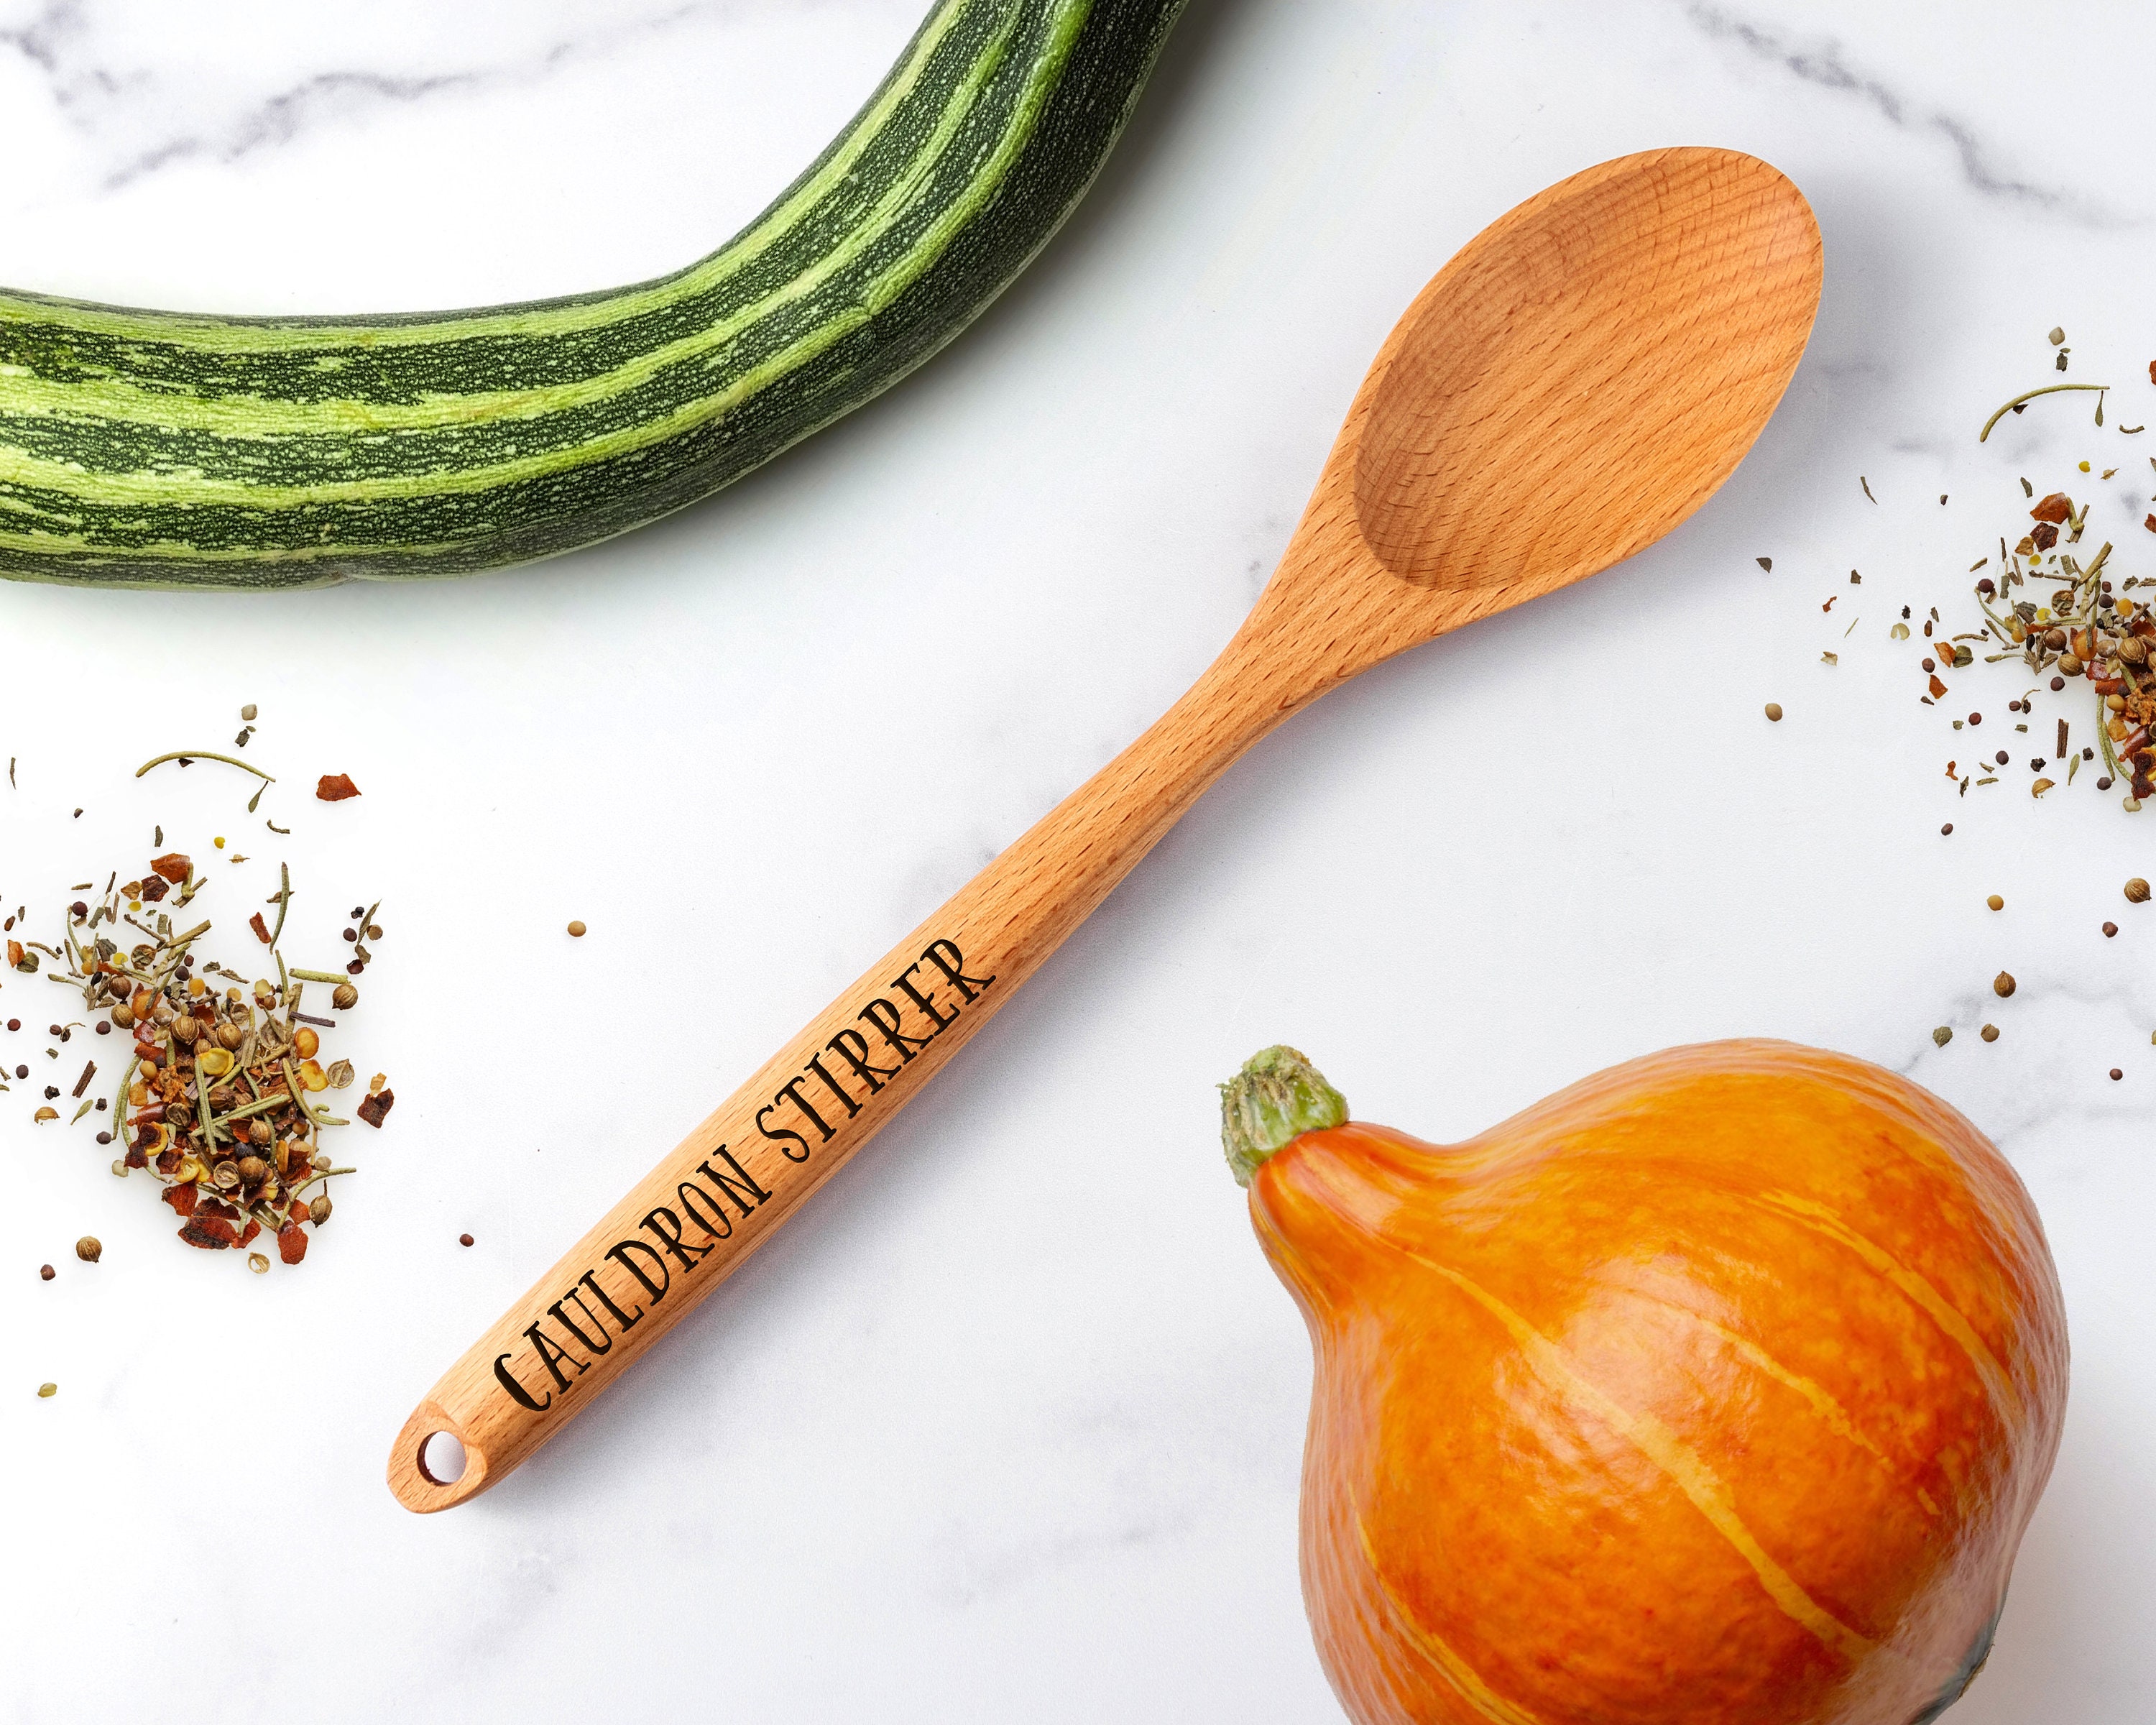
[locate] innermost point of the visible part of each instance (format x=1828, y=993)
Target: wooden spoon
x=1574, y=383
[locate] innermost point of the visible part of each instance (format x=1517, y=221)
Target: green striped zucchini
x=159, y=449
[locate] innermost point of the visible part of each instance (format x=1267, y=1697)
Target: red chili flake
x=216, y=1207
x=253, y=1227
x=2057, y=507
x=153, y=890
x=261, y=928
x=373, y=1108
x=2150, y=524
x=299, y=1210
x=168, y=1162
x=2045, y=536
x=137, y=1158
x=174, y=867
x=292, y=1243
x=335, y=787
x=212, y=1233
x=1937, y=687
x=181, y=1199
x=14, y=953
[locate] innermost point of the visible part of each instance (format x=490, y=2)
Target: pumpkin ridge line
x=1466, y=1680
x=1822, y=1401
x=1935, y=1305
x=1678, y=1461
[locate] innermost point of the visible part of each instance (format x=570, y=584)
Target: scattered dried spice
x=335, y=787
x=2058, y=613
x=216, y=1098
x=576, y=929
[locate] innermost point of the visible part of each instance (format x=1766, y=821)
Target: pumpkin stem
x=1276, y=1098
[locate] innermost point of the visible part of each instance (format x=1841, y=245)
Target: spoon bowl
x=1574, y=383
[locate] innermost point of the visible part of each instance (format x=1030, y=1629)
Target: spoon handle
x=737, y=1177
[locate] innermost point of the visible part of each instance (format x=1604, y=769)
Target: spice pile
x=217, y=1094
x=2060, y=619
x=2069, y=624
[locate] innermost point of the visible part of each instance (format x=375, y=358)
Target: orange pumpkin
x=1717, y=1389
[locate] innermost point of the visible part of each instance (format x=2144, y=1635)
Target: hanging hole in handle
x=442, y=1458
x=436, y=1462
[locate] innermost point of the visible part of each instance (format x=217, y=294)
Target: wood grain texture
x=1578, y=380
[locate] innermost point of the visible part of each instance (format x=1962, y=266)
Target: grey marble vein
x=1823, y=64
x=80, y=64
x=284, y=117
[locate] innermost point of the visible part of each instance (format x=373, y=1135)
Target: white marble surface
x=1008, y=1425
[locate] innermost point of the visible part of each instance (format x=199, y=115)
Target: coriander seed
x=576, y=929
x=87, y=1249
x=2137, y=891
x=1990, y=1032
x=1996, y=902
x=2002, y=985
